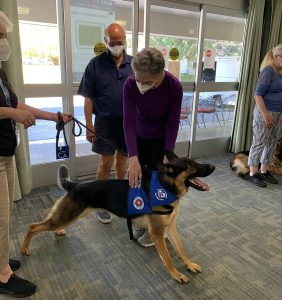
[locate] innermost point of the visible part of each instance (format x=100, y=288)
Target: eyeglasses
x=3, y=35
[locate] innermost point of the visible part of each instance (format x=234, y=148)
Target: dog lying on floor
x=176, y=176
x=239, y=162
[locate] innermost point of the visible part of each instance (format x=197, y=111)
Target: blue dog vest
x=138, y=202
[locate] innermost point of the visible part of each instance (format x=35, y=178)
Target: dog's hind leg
x=62, y=232
x=63, y=213
x=175, y=240
x=159, y=240
x=33, y=230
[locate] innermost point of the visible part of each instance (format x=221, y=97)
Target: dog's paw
x=60, y=232
x=179, y=277
x=194, y=268
x=26, y=251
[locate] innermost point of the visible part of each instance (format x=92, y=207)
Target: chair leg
x=203, y=120
x=217, y=119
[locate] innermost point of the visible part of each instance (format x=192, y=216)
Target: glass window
x=83, y=147
x=222, y=48
x=88, y=22
x=39, y=35
x=215, y=114
x=42, y=137
x=180, y=29
x=185, y=117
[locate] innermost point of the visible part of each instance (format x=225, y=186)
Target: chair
x=184, y=116
x=208, y=107
x=225, y=106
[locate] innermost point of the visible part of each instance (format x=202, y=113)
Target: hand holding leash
x=24, y=117
x=90, y=131
x=66, y=118
x=90, y=136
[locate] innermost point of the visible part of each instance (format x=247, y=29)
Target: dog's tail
x=63, y=179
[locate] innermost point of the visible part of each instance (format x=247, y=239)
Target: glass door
x=218, y=70
x=58, y=39
x=202, y=46
x=178, y=39
x=88, y=21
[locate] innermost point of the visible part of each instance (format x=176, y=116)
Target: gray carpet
x=233, y=232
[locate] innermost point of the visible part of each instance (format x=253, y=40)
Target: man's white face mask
x=116, y=50
x=143, y=88
x=5, y=50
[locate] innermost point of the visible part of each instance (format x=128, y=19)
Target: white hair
x=5, y=23
x=270, y=56
x=277, y=50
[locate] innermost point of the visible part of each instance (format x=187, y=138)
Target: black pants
x=150, y=151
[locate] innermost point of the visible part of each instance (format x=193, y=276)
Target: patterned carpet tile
x=233, y=231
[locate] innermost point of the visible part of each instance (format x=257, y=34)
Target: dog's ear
x=170, y=155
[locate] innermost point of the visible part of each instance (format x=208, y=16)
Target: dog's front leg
x=160, y=244
x=174, y=238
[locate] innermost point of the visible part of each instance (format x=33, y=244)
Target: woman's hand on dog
x=134, y=171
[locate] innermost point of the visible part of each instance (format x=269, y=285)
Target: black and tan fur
x=176, y=176
x=239, y=162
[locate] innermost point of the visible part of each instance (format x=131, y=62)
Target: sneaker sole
x=3, y=291
x=104, y=221
x=263, y=185
x=276, y=182
x=146, y=245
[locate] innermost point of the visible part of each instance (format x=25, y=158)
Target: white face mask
x=116, y=50
x=5, y=50
x=143, y=88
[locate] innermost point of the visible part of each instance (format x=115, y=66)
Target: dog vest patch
x=158, y=194
x=138, y=202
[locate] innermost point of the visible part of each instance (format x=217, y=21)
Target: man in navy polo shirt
x=102, y=87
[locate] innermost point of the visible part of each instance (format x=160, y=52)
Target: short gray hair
x=5, y=22
x=148, y=60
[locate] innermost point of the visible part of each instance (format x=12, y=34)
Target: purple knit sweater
x=152, y=115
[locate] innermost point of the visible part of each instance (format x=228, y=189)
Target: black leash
x=60, y=126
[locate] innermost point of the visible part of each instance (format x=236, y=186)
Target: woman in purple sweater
x=152, y=102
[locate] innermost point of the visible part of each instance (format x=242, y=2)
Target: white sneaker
x=137, y=232
x=145, y=240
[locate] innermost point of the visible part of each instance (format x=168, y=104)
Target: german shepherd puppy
x=111, y=194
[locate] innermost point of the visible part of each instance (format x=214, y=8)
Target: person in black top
x=11, y=111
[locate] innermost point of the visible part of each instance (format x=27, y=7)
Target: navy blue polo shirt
x=103, y=82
